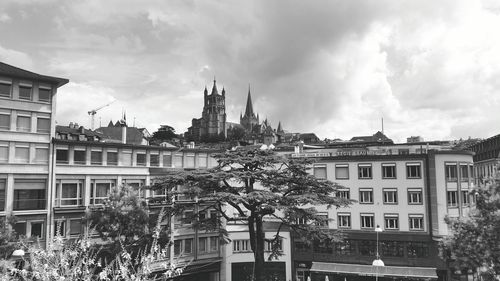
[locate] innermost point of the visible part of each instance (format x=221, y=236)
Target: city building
x=486, y=158
x=406, y=194
x=27, y=108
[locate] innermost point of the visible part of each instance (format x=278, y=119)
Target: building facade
x=486, y=158
x=27, y=111
x=406, y=194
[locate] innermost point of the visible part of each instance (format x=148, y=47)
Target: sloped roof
x=134, y=135
x=77, y=131
x=12, y=71
x=377, y=137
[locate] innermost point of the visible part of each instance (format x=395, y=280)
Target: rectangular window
x=403, y=151
x=451, y=198
x=80, y=157
x=464, y=172
x=391, y=222
x=390, y=196
x=189, y=160
x=416, y=222
x=344, y=193
x=388, y=171
x=344, y=220
x=75, y=227
x=5, y=119
x=203, y=244
x=366, y=195
x=29, y=194
x=413, y=170
x=323, y=220
x=2, y=194
x=23, y=122
x=414, y=196
x=465, y=198
x=417, y=250
x=69, y=193
x=41, y=154
x=364, y=171
x=341, y=171
x=177, y=247
x=20, y=228
x=25, y=92
x=241, y=246
x=154, y=160
x=44, y=94
x=4, y=152
x=367, y=247
x=319, y=171
x=22, y=153
x=392, y=248
x=188, y=246
x=451, y=172
x=43, y=124
x=62, y=156
x=214, y=244
x=167, y=159
x=202, y=160
x=278, y=245
x=141, y=159
x=112, y=158
x=96, y=157
x=99, y=190
x=344, y=248
x=5, y=89
x=36, y=229
x=178, y=160
x=125, y=158
x=367, y=221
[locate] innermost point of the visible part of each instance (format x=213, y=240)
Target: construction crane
x=94, y=111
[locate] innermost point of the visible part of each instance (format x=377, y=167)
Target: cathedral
x=213, y=126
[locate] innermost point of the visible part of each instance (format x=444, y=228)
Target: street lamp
x=377, y=262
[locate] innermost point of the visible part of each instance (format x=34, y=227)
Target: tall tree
x=474, y=240
x=260, y=184
x=164, y=134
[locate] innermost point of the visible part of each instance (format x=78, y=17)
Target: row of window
x=27, y=91
x=367, y=248
x=451, y=171
x=390, y=195
x=208, y=244
x=21, y=121
x=24, y=153
x=243, y=245
x=127, y=157
x=413, y=171
x=391, y=221
x=29, y=194
x=466, y=198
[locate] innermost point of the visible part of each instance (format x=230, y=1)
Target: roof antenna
x=382, y=125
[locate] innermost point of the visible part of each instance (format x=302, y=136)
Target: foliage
x=164, y=134
x=124, y=220
x=473, y=243
x=258, y=185
x=78, y=260
x=8, y=239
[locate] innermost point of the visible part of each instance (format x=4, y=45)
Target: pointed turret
x=223, y=92
x=279, y=130
x=110, y=124
x=249, y=107
x=205, y=96
x=214, y=88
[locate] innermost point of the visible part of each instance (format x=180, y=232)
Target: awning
x=369, y=270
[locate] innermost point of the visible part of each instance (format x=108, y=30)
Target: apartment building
x=403, y=190
x=27, y=110
x=87, y=169
x=486, y=158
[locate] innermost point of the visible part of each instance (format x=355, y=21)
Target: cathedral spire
x=249, y=107
x=279, y=130
x=214, y=88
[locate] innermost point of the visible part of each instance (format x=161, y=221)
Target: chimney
x=71, y=125
x=75, y=125
x=299, y=148
x=124, y=133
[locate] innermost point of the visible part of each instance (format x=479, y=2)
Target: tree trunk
x=257, y=241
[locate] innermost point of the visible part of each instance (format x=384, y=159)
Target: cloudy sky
x=429, y=68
